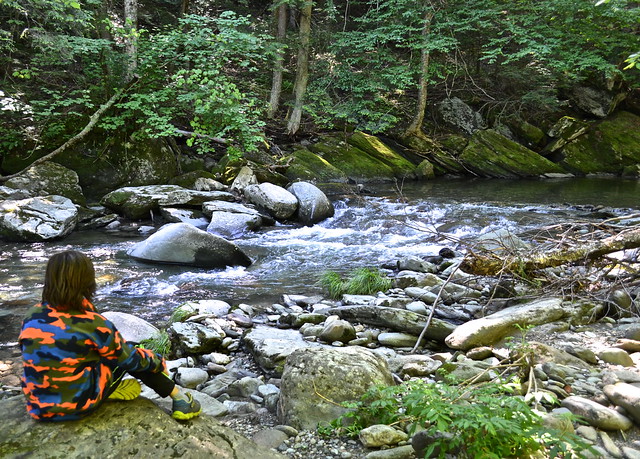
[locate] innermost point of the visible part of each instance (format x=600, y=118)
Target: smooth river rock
x=182, y=243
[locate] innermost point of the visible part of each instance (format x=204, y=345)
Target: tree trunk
x=184, y=8
x=492, y=264
x=302, y=70
x=415, y=128
x=276, y=87
x=131, y=36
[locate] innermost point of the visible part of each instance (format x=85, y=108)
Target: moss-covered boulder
x=380, y=150
x=106, y=163
x=308, y=166
x=425, y=147
x=49, y=178
x=490, y=154
x=529, y=135
x=357, y=164
x=564, y=131
x=606, y=147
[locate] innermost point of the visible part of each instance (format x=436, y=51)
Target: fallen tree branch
x=202, y=136
x=73, y=140
x=491, y=264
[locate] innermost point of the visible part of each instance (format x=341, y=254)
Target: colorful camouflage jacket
x=69, y=360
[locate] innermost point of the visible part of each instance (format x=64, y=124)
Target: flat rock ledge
x=135, y=429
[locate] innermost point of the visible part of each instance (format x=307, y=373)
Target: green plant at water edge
x=361, y=281
x=159, y=343
x=467, y=421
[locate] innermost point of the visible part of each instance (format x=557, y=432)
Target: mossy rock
x=49, y=178
x=454, y=143
x=443, y=162
x=379, y=150
x=308, y=166
x=530, y=135
x=490, y=154
x=607, y=147
x=104, y=164
x=357, y=164
x=188, y=179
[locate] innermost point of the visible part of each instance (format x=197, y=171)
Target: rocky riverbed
x=272, y=374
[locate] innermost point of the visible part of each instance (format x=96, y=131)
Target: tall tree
x=131, y=36
x=302, y=67
x=280, y=14
x=415, y=128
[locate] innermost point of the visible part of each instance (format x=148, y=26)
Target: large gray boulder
x=316, y=380
x=627, y=396
x=13, y=194
x=49, y=178
x=313, y=204
x=37, y=219
x=595, y=414
x=182, y=243
x=275, y=200
x=132, y=328
x=232, y=225
x=137, y=428
x=138, y=202
x=492, y=328
x=461, y=116
x=271, y=346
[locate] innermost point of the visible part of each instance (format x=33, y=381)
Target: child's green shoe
x=186, y=409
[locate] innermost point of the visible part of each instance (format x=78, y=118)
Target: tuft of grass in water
x=333, y=284
x=361, y=281
x=159, y=343
x=180, y=314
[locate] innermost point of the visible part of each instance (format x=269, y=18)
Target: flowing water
x=369, y=229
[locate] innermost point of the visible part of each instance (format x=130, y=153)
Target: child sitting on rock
x=74, y=358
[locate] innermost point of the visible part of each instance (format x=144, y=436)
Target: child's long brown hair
x=70, y=277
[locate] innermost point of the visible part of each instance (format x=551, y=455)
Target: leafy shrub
x=361, y=281
x=478, y=421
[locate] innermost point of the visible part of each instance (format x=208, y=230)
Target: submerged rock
x=313, y=204
x=182, y=243
x=275, y=200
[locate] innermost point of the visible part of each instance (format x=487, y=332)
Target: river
x=372, y=228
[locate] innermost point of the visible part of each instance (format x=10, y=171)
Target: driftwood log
x=520, y=262
x=396, y=319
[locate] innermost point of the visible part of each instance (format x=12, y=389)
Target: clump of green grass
x=159, y=343
x=361, y=281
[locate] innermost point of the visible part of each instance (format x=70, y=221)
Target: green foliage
x=467, y=421
x=188, y=80
x=361, y=281
x=160, y=343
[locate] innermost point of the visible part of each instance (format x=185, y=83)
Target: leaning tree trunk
x=73, y=140
x=415, y=128
x=489, y=265
x=131, y=36
x=302, y=71
x=276, y=86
